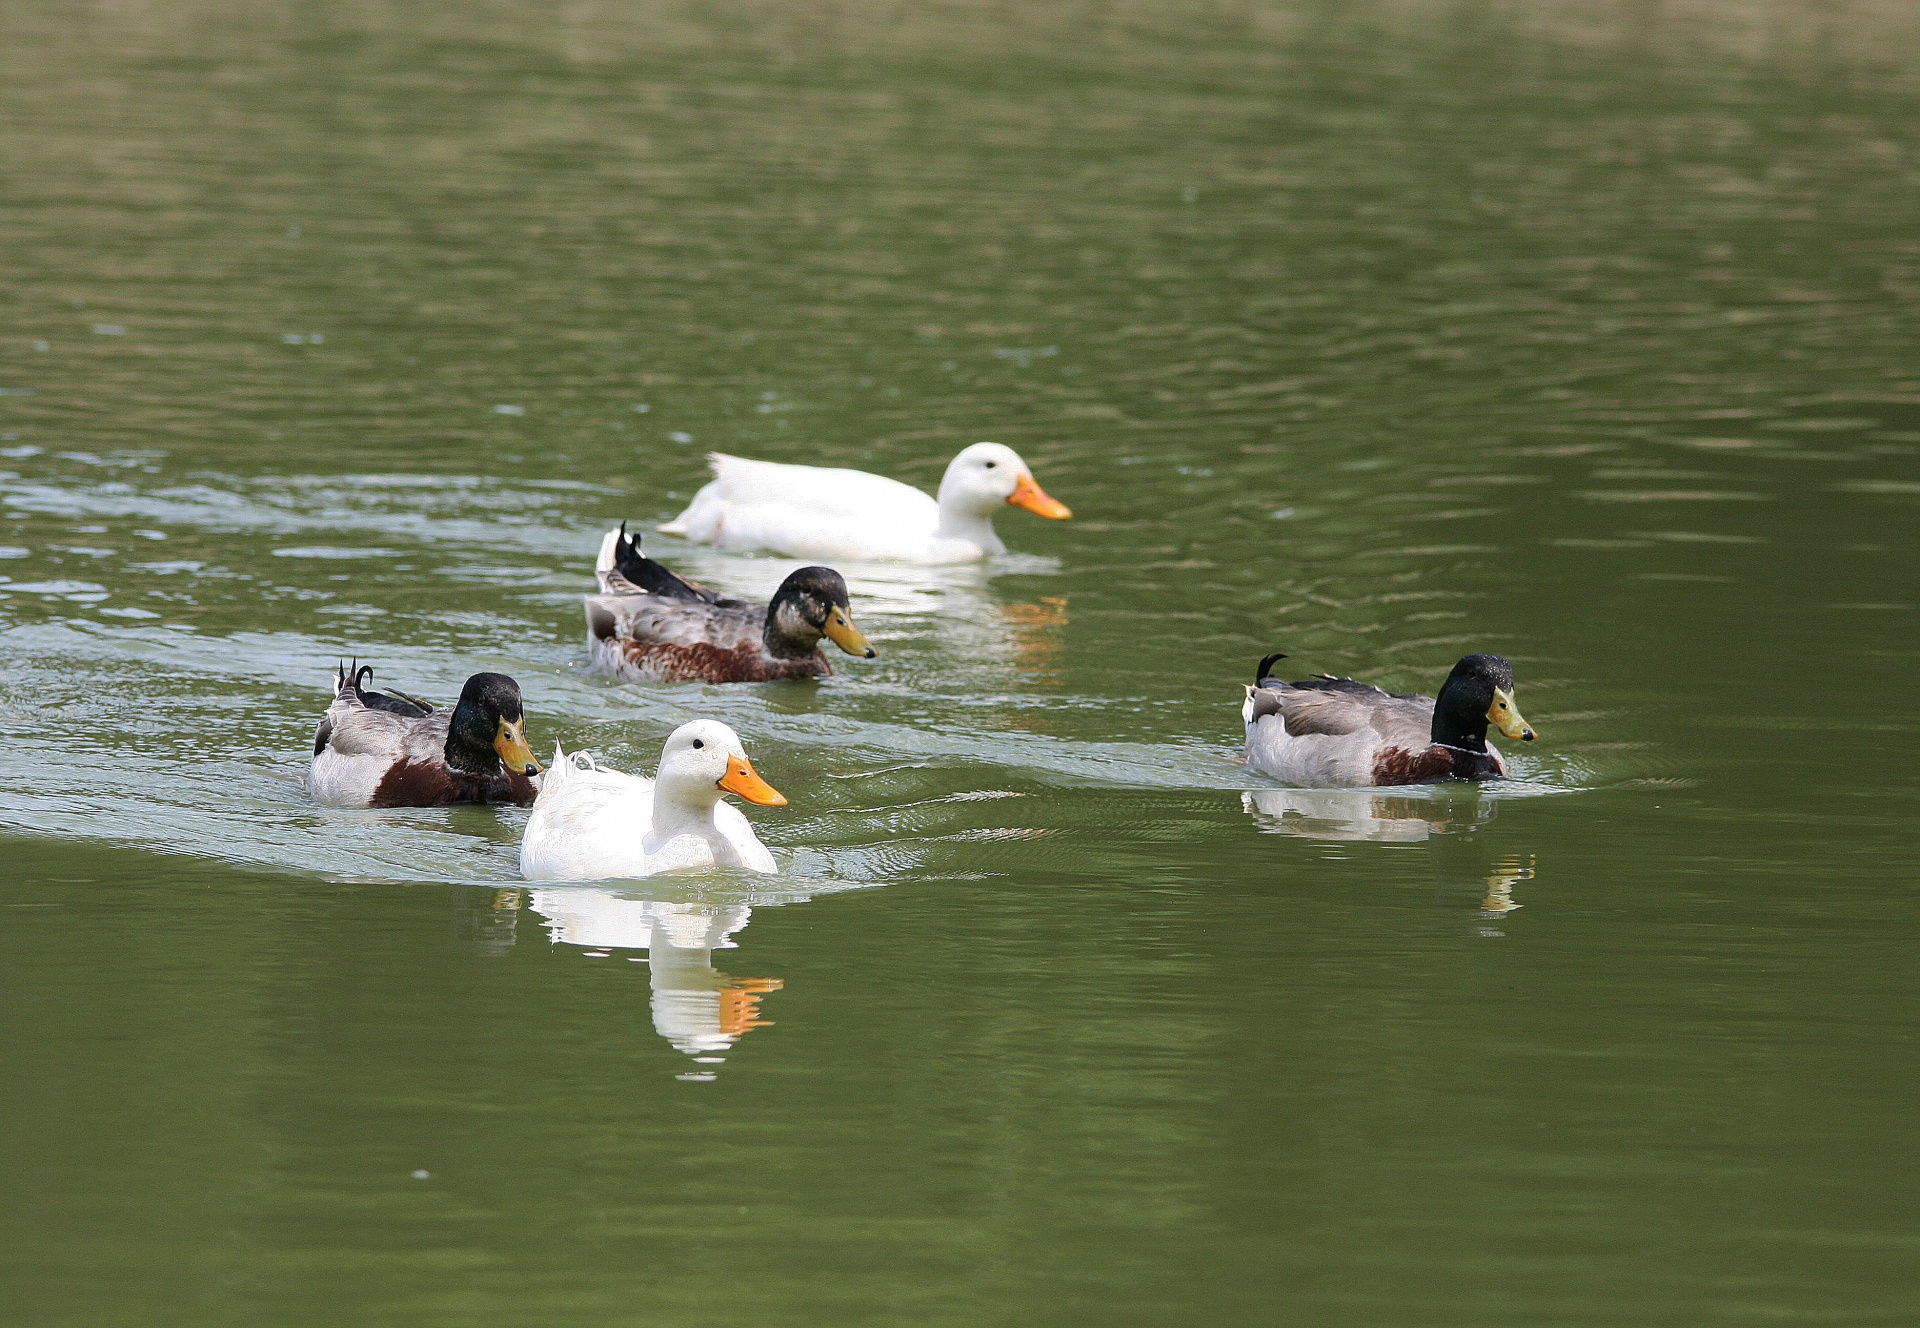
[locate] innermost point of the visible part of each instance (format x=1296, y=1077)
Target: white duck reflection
x=1450, y=823
x=701, y=1011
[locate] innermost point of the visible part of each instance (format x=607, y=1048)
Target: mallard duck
x=849, y=515
x=378, y=750
x=647, y=624
x=593, y=823
x=1332, y=732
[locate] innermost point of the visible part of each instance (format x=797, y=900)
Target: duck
x=1329, y=732
x=850, y=515
x=591, y=822
x=648, y=625
x=374, y=749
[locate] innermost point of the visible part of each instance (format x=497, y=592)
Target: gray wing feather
x=356, y=730
x=654, y=620
x=1339, y=706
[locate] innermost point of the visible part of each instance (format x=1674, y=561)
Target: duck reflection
x=699, y=1010
x=1451, y=822
x=486, y=918
x=1468, y=874
x=1036, y=637
x=1361, y=814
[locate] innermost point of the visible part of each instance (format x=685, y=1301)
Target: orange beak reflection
x=741, y=778
x=1031, y=496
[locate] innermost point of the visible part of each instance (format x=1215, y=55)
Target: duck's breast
x=738, y=832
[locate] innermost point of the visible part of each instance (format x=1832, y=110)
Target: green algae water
x=1375, y=334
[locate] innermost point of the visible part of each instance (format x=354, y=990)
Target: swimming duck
x=378, y=750
x=849, y=515
x=592, y=823
x=1332, y=732
x=648, y=625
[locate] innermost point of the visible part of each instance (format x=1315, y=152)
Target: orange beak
x=741, y=778
x=1031, y=496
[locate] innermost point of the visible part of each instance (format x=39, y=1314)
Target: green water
x=1372, y=333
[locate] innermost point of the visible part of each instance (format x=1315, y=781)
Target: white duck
x=848, y=515
x=592, y=823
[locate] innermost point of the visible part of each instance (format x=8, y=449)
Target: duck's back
x=807, y=511
x=589, y=823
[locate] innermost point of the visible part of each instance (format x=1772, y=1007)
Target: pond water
x=1374, y=334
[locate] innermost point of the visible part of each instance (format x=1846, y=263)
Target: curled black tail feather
x=646, y=575
x=353, y=678
x=1265, y=670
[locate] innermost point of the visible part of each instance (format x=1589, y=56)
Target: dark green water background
x=1375, y=333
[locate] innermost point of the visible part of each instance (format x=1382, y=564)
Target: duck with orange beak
x=592, y=823
x=852, y=516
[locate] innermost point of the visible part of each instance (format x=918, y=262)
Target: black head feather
x=487, y=699
x=797, y=614
x=1460, y=711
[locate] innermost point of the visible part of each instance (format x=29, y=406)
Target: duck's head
x=1477, y=693
x=810, y=604
x=704, y=760
x=489, y=729
x=988, y=476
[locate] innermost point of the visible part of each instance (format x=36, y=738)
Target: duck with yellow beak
x=375, y=749
x=852, y=516
x=591, y=823
x=648, y=625
x=1328, y=732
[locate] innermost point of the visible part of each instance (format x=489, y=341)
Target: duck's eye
x=992, y=464
x=698, y=743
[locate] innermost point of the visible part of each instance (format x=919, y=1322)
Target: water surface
x=1372, y=334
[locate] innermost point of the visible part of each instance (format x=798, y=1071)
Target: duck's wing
x=657, y=620
x=1337, y=707
x=363, y=731
x=1331, y=706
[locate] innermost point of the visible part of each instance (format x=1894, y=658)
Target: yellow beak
x=841, y=631
x=1504, y=715
x=510, y=741
x=741, y=778
x=1031, y=496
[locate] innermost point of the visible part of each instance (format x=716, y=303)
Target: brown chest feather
x=1426, y=765
x=703, y=662
x=436, y=784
